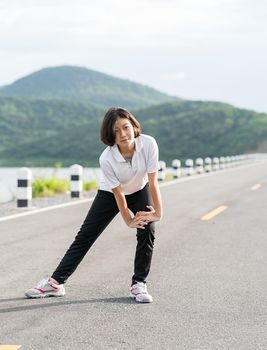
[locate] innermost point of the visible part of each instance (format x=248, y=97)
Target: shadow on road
x=59, y=303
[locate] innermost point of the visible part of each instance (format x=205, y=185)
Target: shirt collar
x=117, y=155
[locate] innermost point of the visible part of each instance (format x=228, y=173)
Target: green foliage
x=57, y=165
x=46, y=187
x=89, y=185
x=30, y=121
x=55, y=133
x=82, y=84
x=192, y=129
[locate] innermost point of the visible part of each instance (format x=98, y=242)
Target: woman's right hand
x=138, y=221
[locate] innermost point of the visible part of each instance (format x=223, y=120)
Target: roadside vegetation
x=48, y=187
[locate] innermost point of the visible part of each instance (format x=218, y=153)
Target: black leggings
x=103, y=209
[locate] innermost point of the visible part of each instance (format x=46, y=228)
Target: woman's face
x=124, y=133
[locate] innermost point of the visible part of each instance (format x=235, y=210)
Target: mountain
x=38, y=132
x=192, y=129
x=82, y=84
x=26, y=125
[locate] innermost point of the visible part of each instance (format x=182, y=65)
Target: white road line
x=41, y=210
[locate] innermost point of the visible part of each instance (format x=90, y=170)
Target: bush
x=42, y=187
x=89, y=185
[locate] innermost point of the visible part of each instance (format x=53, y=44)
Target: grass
x=48, y=187
x=89, y=185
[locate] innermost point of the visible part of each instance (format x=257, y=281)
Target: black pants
x=104, y=208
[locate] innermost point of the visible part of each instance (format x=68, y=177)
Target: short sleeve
x=153, y=157
x=109, y=175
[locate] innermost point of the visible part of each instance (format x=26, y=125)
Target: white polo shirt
x=132, y=176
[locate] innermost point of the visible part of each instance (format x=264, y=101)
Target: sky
x=214, y=50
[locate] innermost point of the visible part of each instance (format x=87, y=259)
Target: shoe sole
x=44, y=295
x=140, y=301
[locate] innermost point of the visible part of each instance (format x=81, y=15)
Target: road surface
x=208, y=276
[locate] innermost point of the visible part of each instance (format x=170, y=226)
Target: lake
x=8, y=178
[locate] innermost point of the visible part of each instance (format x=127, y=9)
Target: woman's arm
x=134, y=222
x=155, y=193
x=155, y=212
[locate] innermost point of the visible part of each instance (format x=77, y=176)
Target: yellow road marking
x=213, y=213
x=255, y=187
x=10, y=347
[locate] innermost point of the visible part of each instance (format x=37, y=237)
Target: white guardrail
x=191, y=167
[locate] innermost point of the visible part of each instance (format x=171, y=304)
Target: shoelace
x=42, y=282
x=45, y=283
x=140, y=289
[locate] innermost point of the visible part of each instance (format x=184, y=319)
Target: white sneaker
x=138, y=291
x=45, y=288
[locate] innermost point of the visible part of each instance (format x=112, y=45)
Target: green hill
x=192, y=129
x=28, y=121
x=38, y=132
x=82, y=84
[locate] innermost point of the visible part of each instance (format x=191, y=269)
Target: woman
x=128, y=185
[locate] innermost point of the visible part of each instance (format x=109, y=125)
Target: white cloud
x=173, y=45
x=174, y=76
x=120, y=23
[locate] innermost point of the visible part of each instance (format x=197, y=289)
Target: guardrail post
x=161, y=172
x=189, y=165
x=215, y=162
x=176, y=166
x=234, y=160
x=76, y=182
x=207, y=166
x=199, y=166
x=24, y=187
x=222, y=163
x=228, y=162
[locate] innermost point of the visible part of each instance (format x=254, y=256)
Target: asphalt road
x=208, y=278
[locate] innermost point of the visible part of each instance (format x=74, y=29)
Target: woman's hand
x=138, y=221
x=148, y=216
x=142, y=218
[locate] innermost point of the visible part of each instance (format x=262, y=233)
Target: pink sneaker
x=138, y=291
x=45, y=288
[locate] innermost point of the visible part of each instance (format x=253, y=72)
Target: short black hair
x=107, y=132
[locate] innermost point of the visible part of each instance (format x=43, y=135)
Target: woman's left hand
x=150, y=215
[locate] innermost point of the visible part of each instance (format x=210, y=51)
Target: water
x=8, y=178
